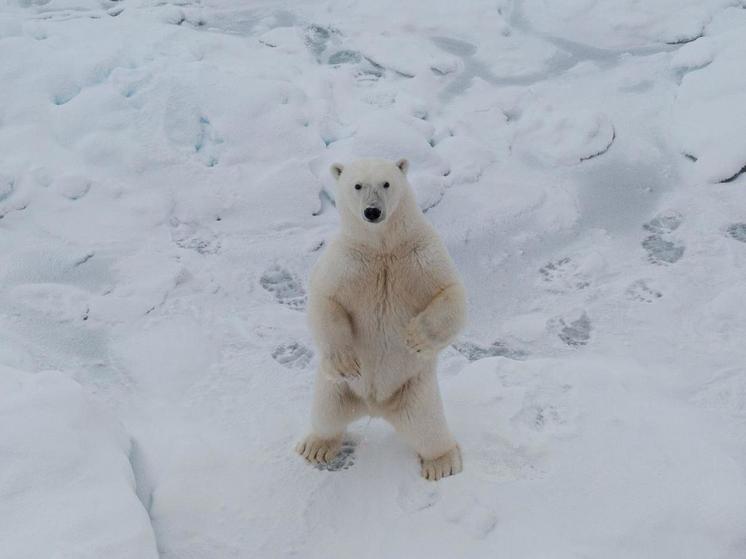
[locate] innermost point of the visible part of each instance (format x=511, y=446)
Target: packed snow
x=164, y=191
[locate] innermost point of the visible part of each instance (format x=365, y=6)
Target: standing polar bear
x=384, y=299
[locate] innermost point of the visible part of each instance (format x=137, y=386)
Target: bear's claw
x=446, y=465
x=417, y=341
x=317, y=450
x=342, y=363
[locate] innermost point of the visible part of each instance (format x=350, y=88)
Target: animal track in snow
x=191, y=236
x=642, y=292
x=660, y=249
x=548, y=411
x=345, y=57
x=317, y=39
x=417, y=496
x=292, y=355
x=538, y=417
x=470, y=514
x=285, y=286
x=343, y=461
x=737, y=231
x=664, y=223
x=575, y=333
x=563, y=275
x=474, y=352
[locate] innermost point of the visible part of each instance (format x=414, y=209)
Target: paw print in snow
x=563, y=276
x=660, y=248
x=642, y=292
x=285, y=286
x=292, y=355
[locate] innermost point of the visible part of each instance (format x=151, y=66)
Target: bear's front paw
x=342, y=363
x=317, y=450
x=447, y=465
x=418, y=341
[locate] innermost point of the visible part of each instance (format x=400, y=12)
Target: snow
x=710, y=114
x=164, y=191
x=68, y=487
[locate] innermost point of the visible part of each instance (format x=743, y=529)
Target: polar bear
x=384, y=299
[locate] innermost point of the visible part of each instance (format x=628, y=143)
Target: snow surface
x=164, y=190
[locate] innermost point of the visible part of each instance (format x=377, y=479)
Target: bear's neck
x=405, y=227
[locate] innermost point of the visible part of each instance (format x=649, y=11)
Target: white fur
x=384, y=299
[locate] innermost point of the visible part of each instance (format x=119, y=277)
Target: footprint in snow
x=474, y=352
x=664, y=223
x=548, y=410
x=737, y=231
x=344, y=57
x=640, y=291
x=574, y=333
x=471, y=515
x=192, y=236
x=563, y=276
x=343, y=461
x=418, y=495
x=660, y=248
x=661, y=251
x=317, y=39
x=292, y=355
x=285, y=286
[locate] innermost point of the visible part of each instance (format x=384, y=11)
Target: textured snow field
x=164, y=191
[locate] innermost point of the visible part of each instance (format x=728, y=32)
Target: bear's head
x=371, y=190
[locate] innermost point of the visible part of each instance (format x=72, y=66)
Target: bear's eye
x=386, y=185
x=358, y=186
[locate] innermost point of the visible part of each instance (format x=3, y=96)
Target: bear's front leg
x=440, y=322
x=340, y=362
x=332, y=329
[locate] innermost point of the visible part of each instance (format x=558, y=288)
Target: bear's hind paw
x=446, y=465
x=317, y=450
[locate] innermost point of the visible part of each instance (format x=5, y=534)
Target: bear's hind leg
x=416, y=412
x=334, y=407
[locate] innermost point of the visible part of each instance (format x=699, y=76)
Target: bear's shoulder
x=336, y=265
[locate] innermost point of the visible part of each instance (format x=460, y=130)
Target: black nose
x=372, y=214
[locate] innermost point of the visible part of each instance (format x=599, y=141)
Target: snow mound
x=564, y=137
x=709, y=112
x=67, y=484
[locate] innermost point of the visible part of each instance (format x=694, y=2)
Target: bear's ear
x=403, y=165
x=336, y=170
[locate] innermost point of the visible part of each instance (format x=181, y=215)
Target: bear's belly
x=385, y=362
x=382, y=298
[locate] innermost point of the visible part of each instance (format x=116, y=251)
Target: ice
x=165, y=190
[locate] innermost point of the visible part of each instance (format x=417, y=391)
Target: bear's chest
x=385, y=289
